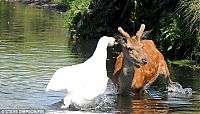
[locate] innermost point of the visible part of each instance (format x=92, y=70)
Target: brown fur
x=145, y=75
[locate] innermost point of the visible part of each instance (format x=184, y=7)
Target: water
x=34, y=43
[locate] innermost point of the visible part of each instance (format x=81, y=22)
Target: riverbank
x=58, y=8
x=48, y=5
x=186, y=63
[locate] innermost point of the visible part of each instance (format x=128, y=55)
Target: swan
x=84, y=81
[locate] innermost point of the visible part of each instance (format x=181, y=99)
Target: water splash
x=177, y=88
x=108, y=99
x=102, y=103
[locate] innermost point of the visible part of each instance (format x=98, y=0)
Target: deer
x=139, y=64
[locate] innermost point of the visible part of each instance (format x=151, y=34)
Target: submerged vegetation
x=185, y=63
x=176, y=23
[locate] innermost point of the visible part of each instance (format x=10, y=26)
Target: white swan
x=84, y=81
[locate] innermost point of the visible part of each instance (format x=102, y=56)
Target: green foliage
x=65, y=2
x=198, y=38
x=76, y=11
x=191, y=12
x=175, y=22
x=97, y=20
x=174, y=38
x=170, y=35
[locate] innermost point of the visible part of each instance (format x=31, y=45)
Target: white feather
x=84, y=81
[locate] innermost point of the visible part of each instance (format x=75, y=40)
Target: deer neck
x=126, y=75
x=127, y=66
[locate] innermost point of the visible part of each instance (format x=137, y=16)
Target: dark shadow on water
x=56, y=106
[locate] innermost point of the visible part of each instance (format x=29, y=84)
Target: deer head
x=132, y=47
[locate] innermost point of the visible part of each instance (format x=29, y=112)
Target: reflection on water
x=142, y=105
x=34, y=43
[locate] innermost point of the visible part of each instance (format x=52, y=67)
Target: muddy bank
x=44, y=4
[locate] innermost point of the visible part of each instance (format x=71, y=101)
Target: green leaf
x=169, y=48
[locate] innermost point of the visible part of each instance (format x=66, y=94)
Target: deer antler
x=123, y=32
x=140, y=32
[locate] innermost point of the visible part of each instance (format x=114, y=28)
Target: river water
x=34, y=44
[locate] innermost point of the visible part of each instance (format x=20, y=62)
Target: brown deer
x=139, y=64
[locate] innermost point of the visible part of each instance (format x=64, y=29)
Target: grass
x=185, y=63
x=191, y=10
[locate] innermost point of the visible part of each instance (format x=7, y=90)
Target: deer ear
x=146, y=33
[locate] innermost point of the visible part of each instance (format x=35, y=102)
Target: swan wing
x=65, y=78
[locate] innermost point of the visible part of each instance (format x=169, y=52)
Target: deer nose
x=144, y=60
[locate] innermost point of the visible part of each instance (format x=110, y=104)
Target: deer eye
x=124, y=39
x=129, y=49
